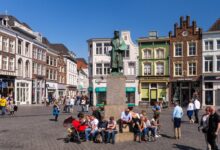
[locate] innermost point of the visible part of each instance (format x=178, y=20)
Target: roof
x=149, y=39
x=81, y=63
x=215, y=26
x=60, y=48
x=99, y=39
x=12, y=19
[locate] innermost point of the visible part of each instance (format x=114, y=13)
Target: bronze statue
x=118, y=48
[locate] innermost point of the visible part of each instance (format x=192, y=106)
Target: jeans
x=67, y=108
x=3, y=110
x=111, y=135
x=88, y=133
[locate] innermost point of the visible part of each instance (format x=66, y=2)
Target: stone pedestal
x=115, y=98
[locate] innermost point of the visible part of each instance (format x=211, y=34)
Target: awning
x=130, y=89
x=100, y=89
x=90, y=89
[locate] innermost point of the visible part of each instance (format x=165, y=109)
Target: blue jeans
x=88, y=133
x=3, y=110
x=111, y=135
x=145, y=132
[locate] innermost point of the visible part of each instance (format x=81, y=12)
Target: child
x=11, y=108
x=56, y=111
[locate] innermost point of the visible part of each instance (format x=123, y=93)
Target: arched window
x=160, y=53
x=27, y=69
x=147, y=53
x=20, y=67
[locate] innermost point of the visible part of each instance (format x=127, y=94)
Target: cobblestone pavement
x=32, y=129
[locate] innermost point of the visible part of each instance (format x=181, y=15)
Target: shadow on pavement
x=166, y=136
x=184, y=147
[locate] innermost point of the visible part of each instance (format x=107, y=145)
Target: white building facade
x=71, y=76
x=99, y=68
x=211, y=68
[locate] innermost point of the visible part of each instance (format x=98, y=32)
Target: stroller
x=76, y=133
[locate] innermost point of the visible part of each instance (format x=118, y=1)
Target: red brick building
x=185, y=61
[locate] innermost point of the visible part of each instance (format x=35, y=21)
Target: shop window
x=144, y=85
x=153, y=85
x=208, y=85
x=209, y=97
x=101, y=97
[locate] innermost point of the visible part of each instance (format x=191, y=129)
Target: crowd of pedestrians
x=7, y=105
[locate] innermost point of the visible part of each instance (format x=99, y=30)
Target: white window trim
x=147, y=49
x=212, y=64
x=151, y=68
x=188, y=62
x=174, y=69
x=196, y=42
x=0, y=43
x=217, y=63
x=160, y=62
x=209, y=45
x=174, y=49
x=217, y=44
x=160, y=48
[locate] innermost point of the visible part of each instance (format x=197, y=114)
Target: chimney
x=187, y=21
x=181, y=21
x=194, y=26
x=170, y=33
x=175, y=28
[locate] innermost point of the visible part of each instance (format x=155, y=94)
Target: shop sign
x=154, y=78
x=212, y=78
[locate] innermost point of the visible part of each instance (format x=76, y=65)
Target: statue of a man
x=118, y=47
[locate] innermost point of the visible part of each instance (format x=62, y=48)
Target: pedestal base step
x=124, y=137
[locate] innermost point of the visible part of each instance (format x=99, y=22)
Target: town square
x=109, y=75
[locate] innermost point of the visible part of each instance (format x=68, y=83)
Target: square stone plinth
x=114, y=110
x=116, y=90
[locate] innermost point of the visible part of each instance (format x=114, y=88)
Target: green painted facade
x=153, y=87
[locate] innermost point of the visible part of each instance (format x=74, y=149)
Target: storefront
x=61, y=90
x=100, y=95
x=7, y=86
x=130, y=94
x=71, y=90
x=152, y=92
x=38, y=93
x=23, y=92
x=211, y=90
x=184, y=90
x=51, y=91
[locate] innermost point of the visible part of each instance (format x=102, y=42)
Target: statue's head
x=116, y=34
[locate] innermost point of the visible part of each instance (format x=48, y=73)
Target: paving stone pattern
x=31, y=129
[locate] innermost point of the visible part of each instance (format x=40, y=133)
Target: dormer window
x=4, y=22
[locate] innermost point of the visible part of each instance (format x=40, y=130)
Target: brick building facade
x=185, y=61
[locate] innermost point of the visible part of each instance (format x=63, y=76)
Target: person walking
x=213, y=128
x=72, y=102
x=204, y=125
x=3, y=104
x=56, y=111
x=196, y=109
x=177, y=115
x=190, y=110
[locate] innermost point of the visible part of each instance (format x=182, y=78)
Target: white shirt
x=205, y=121
x=196, y=104
x=125, y=117
x=93, y=123
x=72, y=101
x=147, y=123
x=190, y=106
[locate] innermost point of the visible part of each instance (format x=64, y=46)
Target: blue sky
x=72, y=22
